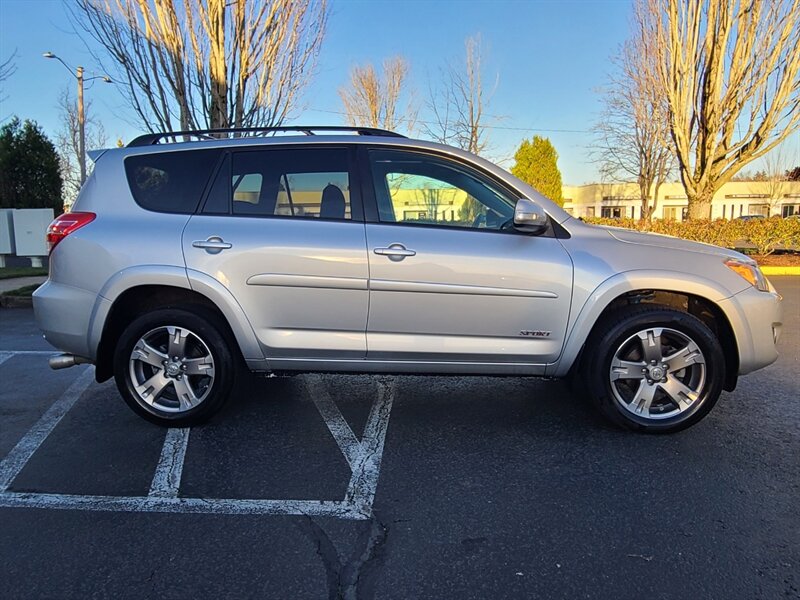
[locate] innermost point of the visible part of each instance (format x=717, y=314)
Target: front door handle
x=395, y=252
x=213, y=245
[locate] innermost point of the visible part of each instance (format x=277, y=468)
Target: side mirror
x=529, y=217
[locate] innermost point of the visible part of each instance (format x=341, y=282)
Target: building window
x=787, y=210
x=611, y=212
x=671, y=213
x=759, y=209
x=590, y=211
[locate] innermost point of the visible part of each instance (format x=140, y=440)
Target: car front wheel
x=654, y=369
x=174, y=367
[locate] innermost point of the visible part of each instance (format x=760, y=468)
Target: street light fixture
x=78, y=74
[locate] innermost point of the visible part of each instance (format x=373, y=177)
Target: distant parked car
x=750, y=217
x=314, y=253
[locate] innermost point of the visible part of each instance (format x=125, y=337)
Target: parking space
x=393, y=487
x=88, y=452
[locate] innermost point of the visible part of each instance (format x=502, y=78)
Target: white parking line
x=363, y=457
x=223, y=506
x=6, y=354
x=167, y=478
x=339, y=428
x=22, y=452
x=364, y=482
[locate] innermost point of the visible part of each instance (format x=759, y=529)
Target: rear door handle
x=395, y=252
x=213, y=245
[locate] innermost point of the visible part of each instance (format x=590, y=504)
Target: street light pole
x=81, y=111
x=81, y=126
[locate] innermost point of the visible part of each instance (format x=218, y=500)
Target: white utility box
x=6, y=231
x=30, y=227
x=6, y=234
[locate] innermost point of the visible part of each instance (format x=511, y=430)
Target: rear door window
x=170, y=182
x=300, y=183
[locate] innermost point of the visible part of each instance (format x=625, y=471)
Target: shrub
x=767, y=235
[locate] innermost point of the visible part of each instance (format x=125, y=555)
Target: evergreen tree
x=29, y=168
x=536, y=163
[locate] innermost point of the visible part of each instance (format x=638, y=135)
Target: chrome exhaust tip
x=64, y=361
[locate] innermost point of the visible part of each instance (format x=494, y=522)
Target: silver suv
x=189, y=254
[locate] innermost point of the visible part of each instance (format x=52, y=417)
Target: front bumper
x=756, y=318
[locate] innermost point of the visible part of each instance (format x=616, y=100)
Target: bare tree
x=68, y=142
x=7, y=69
x=432, y=200
x=730, y=70
x=632, y=134
x=191, y=64
x=373, y=100
x=773, y=178
x=458, y=104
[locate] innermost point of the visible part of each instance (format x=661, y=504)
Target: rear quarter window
x=171, y=182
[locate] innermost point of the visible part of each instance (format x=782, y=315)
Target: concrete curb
x=13, y=283
x=767, y=270
x=16, y=302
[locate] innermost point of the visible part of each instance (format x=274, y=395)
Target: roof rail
x=150, y=139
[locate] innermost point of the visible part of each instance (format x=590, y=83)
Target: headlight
x=750, y=272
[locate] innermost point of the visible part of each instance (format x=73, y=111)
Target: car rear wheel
x=174, y=367
x=654, y=369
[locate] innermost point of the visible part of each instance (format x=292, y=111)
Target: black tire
x=203, y=338
x=620, y=401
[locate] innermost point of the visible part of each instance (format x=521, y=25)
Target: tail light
x=66, y=224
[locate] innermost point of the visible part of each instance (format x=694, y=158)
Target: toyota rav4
x=190, y=254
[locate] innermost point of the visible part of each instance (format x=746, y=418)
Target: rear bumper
x=756, y=318
x=64, y=313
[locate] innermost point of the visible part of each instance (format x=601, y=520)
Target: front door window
x=419, y=189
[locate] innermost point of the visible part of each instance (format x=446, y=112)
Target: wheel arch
x=679, y=291
x=136, y=291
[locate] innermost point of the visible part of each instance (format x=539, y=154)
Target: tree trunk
x=646, y=209
x=700, y=203
x=654, y=205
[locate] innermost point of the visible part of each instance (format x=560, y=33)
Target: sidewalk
x=6, y=285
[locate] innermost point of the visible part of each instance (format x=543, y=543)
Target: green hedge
x=763, y=235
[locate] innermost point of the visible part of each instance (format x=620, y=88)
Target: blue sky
x=549, y=55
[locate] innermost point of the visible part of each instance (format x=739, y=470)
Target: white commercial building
x=733, y=200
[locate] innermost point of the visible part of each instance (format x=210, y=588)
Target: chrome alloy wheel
x=171, y=369
x=658, y=373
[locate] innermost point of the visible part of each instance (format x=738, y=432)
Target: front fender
x=620, y=284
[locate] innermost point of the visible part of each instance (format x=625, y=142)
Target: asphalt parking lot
x=393, y=487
